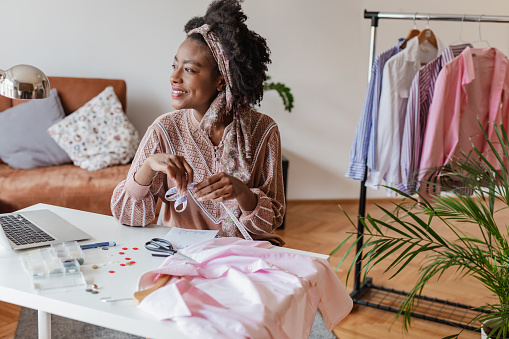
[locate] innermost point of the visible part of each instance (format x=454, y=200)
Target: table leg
x=44, y=321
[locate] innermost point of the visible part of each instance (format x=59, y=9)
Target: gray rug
x=63, y=328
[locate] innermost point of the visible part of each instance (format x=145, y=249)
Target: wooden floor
x=320, y=227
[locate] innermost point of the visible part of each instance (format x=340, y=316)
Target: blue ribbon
x=180, y=199
x=181, y=203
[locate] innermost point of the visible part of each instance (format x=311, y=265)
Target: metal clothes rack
x=453, y=314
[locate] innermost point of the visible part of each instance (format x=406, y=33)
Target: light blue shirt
x=363, y=149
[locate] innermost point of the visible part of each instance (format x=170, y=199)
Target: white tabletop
x=76, y=303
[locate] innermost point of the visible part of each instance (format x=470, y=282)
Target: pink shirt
x=471, y=89
x=242, y=289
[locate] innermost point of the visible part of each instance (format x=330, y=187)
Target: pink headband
x=236, y=159
x=237, y=155
x=222, y=62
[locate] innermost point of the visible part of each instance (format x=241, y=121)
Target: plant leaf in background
x=475, y=182
x=283, y=91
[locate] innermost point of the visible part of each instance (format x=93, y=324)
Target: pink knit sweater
x=179, y=133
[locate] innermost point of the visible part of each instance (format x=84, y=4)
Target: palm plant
x=407, y=232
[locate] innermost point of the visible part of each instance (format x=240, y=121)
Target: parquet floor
x=319, y=226
x=8, y=320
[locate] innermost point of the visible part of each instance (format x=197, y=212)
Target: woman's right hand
x=175, y=166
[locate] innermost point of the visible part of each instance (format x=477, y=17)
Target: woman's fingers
x=217, y=195
x=189, y=172
x=182, y=184
x=177, y=169
x=218, y=187
x=205, y=184
x=172, y=171
x=221, y=187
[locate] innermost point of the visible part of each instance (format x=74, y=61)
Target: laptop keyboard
x=21, y=231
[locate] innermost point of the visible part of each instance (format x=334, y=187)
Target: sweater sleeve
x=270, y=209
x=134, y=204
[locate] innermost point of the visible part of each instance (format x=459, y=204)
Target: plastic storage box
x=55, y=267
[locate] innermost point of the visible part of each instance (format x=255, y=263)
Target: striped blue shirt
x=419, y=101
x=363, y=149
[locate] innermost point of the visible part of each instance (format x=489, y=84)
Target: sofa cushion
x=98, y=134
x=24, y=142
x=65, y=185
x=76, y=92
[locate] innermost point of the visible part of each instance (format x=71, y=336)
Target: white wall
x=319, y=49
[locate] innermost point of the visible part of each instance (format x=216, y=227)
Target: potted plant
x=478, y=185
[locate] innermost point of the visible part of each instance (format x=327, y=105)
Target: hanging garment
x=362, y=152
x=419, y=101
x=242, y=289
x=471, y=89
x=398, y=74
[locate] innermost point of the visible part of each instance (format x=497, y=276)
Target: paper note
x=181, y=237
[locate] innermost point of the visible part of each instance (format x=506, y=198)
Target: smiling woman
x=214, y=139
x=196, y=79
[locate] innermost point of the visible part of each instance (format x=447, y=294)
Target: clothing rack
x=390, y=299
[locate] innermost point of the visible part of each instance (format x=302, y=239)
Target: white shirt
x=398, y=74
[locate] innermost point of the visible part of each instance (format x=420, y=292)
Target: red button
x=112, y=271
x=127, y=258
x=124, y=248
x=122, y=264
x=121, y=253
x=135, y=248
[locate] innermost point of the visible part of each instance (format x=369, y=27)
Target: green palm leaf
x=477, y=183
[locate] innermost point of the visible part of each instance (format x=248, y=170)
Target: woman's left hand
x=221, y=187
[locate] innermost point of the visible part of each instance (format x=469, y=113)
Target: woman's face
x=194, y=80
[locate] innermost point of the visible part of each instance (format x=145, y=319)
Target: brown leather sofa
x=66, y=185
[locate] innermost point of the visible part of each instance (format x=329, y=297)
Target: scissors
x=164, y=248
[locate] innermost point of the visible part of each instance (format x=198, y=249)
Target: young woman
x=214, y=149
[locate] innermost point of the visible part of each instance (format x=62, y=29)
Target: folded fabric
x=98, y=134
x=243, y=289
x=24, y=142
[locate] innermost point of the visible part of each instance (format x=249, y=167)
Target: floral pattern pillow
x=98, y=134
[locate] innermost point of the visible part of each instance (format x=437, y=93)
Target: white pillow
x=98, y=134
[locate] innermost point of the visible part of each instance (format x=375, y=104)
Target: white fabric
x=98, y=134
x=398, y=74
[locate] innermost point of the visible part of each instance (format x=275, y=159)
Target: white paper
x=181, y=237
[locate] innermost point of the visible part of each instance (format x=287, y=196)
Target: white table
x=76, y=303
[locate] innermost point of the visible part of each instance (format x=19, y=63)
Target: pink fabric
x=243, y=289
x=471, y=87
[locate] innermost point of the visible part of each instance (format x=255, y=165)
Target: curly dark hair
x=246, y=51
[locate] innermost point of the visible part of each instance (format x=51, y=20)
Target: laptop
x=37, y=228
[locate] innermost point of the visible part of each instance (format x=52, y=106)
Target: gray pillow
x=24, y=141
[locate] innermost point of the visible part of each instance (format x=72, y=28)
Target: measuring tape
x=181, y=203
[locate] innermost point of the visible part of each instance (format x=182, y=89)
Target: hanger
x=460, y=40
x=480, y=36
x=413, y=33
x=428, y=35
x=160, y=282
